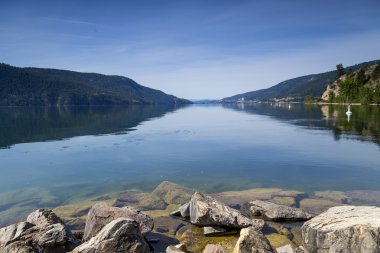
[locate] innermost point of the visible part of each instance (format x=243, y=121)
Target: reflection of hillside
x=21, y=125
x=364, y=123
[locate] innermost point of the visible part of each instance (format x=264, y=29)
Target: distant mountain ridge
x=52, y=87
x=296, y=89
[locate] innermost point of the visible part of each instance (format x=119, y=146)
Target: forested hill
x=48, y=87
x=296, y=89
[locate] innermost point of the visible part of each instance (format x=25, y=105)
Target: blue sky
x=192, y=49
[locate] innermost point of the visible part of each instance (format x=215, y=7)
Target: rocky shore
x=174, y=218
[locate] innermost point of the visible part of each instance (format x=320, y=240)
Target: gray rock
x=12, y=232
x=55, y=238
x=343, y=229
x=252, y=241
x=119, y=236
x=275, y=212
x=43, y=217
x=183, y=211
x=213, y=230
x=19, y=247
x=27, y=237
x=207, y=211
x=174, y=249
x=101, y=214
x=285, y=249
x=212, y=248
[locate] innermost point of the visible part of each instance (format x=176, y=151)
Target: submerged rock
x=119, y=236
x=275, y=212
x=240, y=197
x=207, y=211
x=317, y=206
x=192, y=236
x=343, y=229
x=335, y=196
x=173, y=193
x=251, y=240
x=101, y=214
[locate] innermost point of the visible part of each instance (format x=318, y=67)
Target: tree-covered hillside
x=296, y=89
x=355, y=86
x=37, y=86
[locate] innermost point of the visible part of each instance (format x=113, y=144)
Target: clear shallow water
x=51, y=157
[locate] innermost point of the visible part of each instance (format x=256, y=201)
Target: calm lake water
x=51, y=156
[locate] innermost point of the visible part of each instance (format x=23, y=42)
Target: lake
x=55, y=156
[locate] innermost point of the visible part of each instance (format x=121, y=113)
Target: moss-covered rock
x=240, y=197
x=317, y=206
x=335, y=196
x=287, y=201
x=173, y=193
x=194, y=240
x=277, y=240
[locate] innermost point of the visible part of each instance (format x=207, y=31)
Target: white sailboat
x=349, y=110
x=348, y=113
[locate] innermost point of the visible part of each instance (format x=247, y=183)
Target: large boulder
x=270, y=211
x=40, y=237
x=207, y=211
x=101, y=214
x=252, y=241
x=119, y=236
x=343, y=229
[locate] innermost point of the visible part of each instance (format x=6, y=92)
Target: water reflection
x=36, y=124
x=363, y=124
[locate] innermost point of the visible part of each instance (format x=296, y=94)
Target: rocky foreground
x=197, y=223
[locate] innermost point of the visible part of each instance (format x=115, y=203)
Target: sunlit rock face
x=343, y=229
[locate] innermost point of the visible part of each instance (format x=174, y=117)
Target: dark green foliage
x=297, y=88
x=309, y=100
x=361, y=77
x=35, y=86
x=350, y=72
x=376, y=72
x=365, y=95
x=348, y=89
x=339, y=71
x=331, y=97
x=376, y=95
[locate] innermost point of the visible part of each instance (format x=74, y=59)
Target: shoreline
x=167, y=197
x=313, y=200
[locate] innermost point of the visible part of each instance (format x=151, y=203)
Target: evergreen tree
x=331, y=97
x=339, y=71
x=376, y=72
x=361, y=78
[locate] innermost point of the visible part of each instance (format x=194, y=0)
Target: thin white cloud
x=218, y=79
